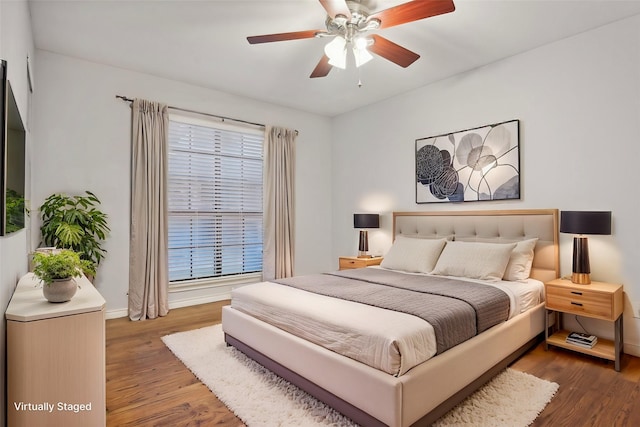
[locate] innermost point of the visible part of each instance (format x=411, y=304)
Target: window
x=215, y=201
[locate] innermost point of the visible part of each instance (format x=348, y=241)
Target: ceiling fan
x=350, y=22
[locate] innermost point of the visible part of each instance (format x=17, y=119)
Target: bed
x=401, y=392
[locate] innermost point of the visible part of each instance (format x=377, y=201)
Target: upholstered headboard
x=491, y=226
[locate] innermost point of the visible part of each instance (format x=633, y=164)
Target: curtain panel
x=279, y=171
x=148, y=265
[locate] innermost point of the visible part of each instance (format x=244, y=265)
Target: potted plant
x=75, y=222
x=57, y=270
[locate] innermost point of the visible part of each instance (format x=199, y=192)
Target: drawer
x=581, y=302
x=347, y=263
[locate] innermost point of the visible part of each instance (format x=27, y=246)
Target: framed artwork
x=469, y=166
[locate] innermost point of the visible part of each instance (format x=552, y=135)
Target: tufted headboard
x=491, y=226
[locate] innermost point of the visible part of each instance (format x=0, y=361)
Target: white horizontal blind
x=215, y=200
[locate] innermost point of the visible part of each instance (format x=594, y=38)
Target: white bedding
x=390, y=341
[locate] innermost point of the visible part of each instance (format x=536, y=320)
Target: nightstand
x=597, y=300
x=348, y=262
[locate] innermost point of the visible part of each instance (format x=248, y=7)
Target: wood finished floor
x=148, y=386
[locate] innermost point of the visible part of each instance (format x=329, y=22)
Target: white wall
x=82, y=137
x=578, y=101
x=15, y=44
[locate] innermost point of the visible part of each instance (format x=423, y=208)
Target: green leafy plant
x=57, y=265
x=75, y=222
x=14, y=210
x=88, y=268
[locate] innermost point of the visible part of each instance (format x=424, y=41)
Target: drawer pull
x=576, y=303
x=576, y=293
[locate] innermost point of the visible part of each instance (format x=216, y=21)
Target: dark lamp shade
x=585, y=222
x=366, y=221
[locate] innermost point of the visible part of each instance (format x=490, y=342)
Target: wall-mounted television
x=12, y=155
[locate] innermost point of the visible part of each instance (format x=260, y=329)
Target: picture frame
x=477, y=164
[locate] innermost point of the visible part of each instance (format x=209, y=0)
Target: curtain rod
x=127, y=99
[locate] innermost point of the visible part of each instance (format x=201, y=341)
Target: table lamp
x=365, y=221
x=583, y=222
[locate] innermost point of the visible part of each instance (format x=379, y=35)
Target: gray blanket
x=457, y=310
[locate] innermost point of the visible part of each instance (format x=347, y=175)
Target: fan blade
x=336, y=7
x=391, y=51
x=296, y=35
x=412, y=11
x=322, y=69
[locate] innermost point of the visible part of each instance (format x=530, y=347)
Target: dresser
x=55, y=357
x=597, y=300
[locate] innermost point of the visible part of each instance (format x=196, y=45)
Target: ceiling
x=204, y=43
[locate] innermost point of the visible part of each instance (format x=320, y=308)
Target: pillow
x=519, y=266
x=485, y=261
x=413, y=255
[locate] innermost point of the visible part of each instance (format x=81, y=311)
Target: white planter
x=60, y=290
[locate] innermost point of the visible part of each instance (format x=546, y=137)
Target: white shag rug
x=260, y=398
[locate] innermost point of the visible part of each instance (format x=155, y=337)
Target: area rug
x=260, y=398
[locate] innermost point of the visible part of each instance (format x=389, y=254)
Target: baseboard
x=632, y=349
x=115, y=314
x=185, y=302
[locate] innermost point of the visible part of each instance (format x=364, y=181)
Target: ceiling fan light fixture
x=361, y=55
x=361, y=43
x=341, y=20
x=372, y=24
x=360, y=52
x=336, y=50
x=339, y=62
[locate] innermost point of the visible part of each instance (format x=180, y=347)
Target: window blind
x=215, y=200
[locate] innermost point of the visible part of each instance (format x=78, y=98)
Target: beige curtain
x=148, y=265
x=279, y=168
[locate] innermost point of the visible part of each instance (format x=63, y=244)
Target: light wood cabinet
x=597, y=300
x=55, y=358
x=349, y=262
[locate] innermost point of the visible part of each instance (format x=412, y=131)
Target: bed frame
x=418, y=398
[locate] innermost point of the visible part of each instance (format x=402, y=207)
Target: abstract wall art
x=468, y=166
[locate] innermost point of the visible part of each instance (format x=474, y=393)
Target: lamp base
x=581, y=268
x=363, y=245
x=364, y=255
x=581, y=278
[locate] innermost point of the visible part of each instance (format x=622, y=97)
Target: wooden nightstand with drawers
x=597, y=300
x=348, y=262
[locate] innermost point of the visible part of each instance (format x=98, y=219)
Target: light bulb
x=360, y=51
x=360, y=43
